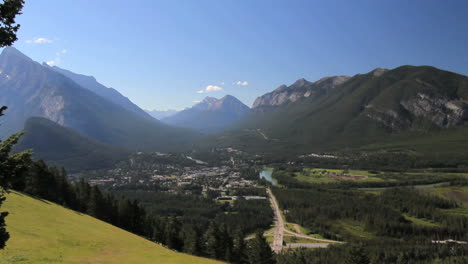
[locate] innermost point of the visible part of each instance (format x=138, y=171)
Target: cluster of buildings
x=315, y=155
x=171, y=178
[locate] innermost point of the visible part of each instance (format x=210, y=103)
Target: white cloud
x=196, y=101
x=222, y=83
x=241, y=83
x=53, y=62
x=39, y=41
x=210, y=88
x=58, y=58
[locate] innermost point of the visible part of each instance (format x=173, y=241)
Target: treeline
x=412, y=202
x=219, y=235
x=395, y=252
x=50, y=183
x=254, y=191
x=248, y=215
x=217, y=241
x=286, y=177
x=383, y=161
x=322, y=210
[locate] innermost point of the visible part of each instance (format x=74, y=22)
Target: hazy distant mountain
x=160, y=114
x=210, y=115
x=406, y=104
x=62, y=146
x=90, y=83
x=31, y=89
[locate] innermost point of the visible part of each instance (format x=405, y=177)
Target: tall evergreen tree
x=357, y=255
x=225, y=245
x=11, y=166
x=212, y=242
x=191, y=240
x=96, y=204
x=158, y=230
x=171, y=233
x=259, y=250
x=239, y=247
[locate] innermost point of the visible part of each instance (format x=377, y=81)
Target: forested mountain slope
x=31, y=89
x=384, y=106
x=61, y=146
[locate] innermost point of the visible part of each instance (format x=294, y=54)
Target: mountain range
x=211, y=115
x=90, y=83
x=396, y=107
x=79, y=103
x=341, y=112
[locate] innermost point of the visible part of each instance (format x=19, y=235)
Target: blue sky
x=163, y=54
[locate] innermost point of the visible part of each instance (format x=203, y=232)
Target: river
x=266, y=174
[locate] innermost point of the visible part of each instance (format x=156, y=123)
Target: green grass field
x=317, y=175
x=420, y=221
x=354, y=228
x=455, y=193
x=43, y=232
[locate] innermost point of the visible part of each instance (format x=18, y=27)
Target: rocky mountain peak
x=209, y=99
x=13, y=52
x=210, y=115
x=299, y=83
x=299, y=89
x=229, y=103
x=378, y=72
x=281, y=88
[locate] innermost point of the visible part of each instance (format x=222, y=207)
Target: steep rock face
x=90, y=83
x=438, y=112
x=30, y=89
x=21, y=80
x=441, y=112
x=299, y=89
x=205, y=104
x=229, y=104
x=367, y=108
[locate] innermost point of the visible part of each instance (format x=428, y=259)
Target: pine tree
x=239, y=247
x=191, y=239
x=83, y=192
x=357, y=255
x=259, y=251
x=158, y=230
x=212, y=244
x=225, y=243
x=10, y=165
x=95, y=204
x=171, y=233
x=125, y=214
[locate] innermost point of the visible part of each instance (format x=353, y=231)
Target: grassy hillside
x=62, y=146
x=43, y=232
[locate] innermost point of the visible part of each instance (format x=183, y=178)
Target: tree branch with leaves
x=11, y=165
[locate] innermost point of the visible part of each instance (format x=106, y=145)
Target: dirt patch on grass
x=457, y=196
